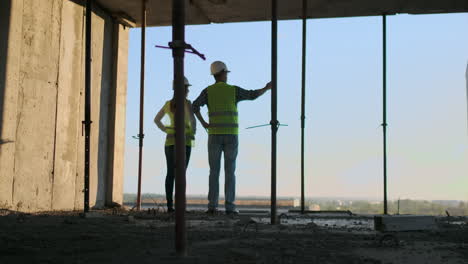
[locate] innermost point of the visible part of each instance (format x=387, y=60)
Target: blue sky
x=427, y=112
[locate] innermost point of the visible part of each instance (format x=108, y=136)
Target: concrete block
x=68, y=127
x=386, y=223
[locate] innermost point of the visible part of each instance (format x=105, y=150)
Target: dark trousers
x=170, y=176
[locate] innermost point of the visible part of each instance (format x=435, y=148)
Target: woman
x=169, y=109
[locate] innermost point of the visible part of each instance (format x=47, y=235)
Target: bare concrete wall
x=42, y=107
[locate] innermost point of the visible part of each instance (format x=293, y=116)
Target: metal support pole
x=384, y=123
x=304, y=53
x=466, y=77
x=178, y=50
x=274, y=101
x=87, y=122
x=141, y=135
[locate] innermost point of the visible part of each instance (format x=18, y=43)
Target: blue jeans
x=216, y=145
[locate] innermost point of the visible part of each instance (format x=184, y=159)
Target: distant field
x=250, y=202
x=281, y=203
x=360, y=206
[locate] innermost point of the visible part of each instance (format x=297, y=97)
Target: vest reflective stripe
x=170, y=130
x=173, y=128
x=222, y=109
x=223, y=113
x=187, y=136
x=224, y=125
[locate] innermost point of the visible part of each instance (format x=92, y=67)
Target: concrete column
x=36, y=105
x=100, y=91
x=102, y=85
x=79, y=179
x=10, y=57
x=68, y=127
x=117, y=114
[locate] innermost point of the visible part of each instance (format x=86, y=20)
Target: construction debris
x=389, y=223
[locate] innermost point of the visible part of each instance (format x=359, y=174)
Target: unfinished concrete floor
x=128, y=237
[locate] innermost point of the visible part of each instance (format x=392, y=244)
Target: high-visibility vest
x=222, y=109
x=170, y=129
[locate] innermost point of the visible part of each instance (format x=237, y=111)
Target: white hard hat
x=217, y=67
x=186, y=82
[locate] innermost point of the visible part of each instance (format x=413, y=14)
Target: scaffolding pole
x=141, y=134
x=87, y=122
x=178, y=49
x=466, y=77
x=304, y=53
x=274, y=101
x=384, y=108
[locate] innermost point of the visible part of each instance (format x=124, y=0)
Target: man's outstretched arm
x=243, y=94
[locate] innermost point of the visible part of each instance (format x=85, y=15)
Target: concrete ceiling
x=225, y=11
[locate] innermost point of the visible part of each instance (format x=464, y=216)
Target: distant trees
x=462, y=205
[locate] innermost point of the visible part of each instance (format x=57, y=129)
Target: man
x=223, y=129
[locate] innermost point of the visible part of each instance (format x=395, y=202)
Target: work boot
x=232, y=213
x=212, y=211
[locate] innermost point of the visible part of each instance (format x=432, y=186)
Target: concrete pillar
x=36, y=105
x=117, y=114
x=101, y=83
x=68, y=128
x=79, y=179
x=10, y=57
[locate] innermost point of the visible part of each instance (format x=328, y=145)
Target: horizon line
x=309, y=197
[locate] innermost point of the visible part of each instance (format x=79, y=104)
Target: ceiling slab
x=227, y=11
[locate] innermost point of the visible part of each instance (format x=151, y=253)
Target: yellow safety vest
x=170, y=129
x=222, y=109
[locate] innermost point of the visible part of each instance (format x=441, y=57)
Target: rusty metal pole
x=304, y=53
x=178, y=50
x=384, y=110
x=87, y=122
x=274, y=104
x=466, y=78
x=141, y=135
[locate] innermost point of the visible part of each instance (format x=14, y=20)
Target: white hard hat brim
x=186, y=83
x=221, y=72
